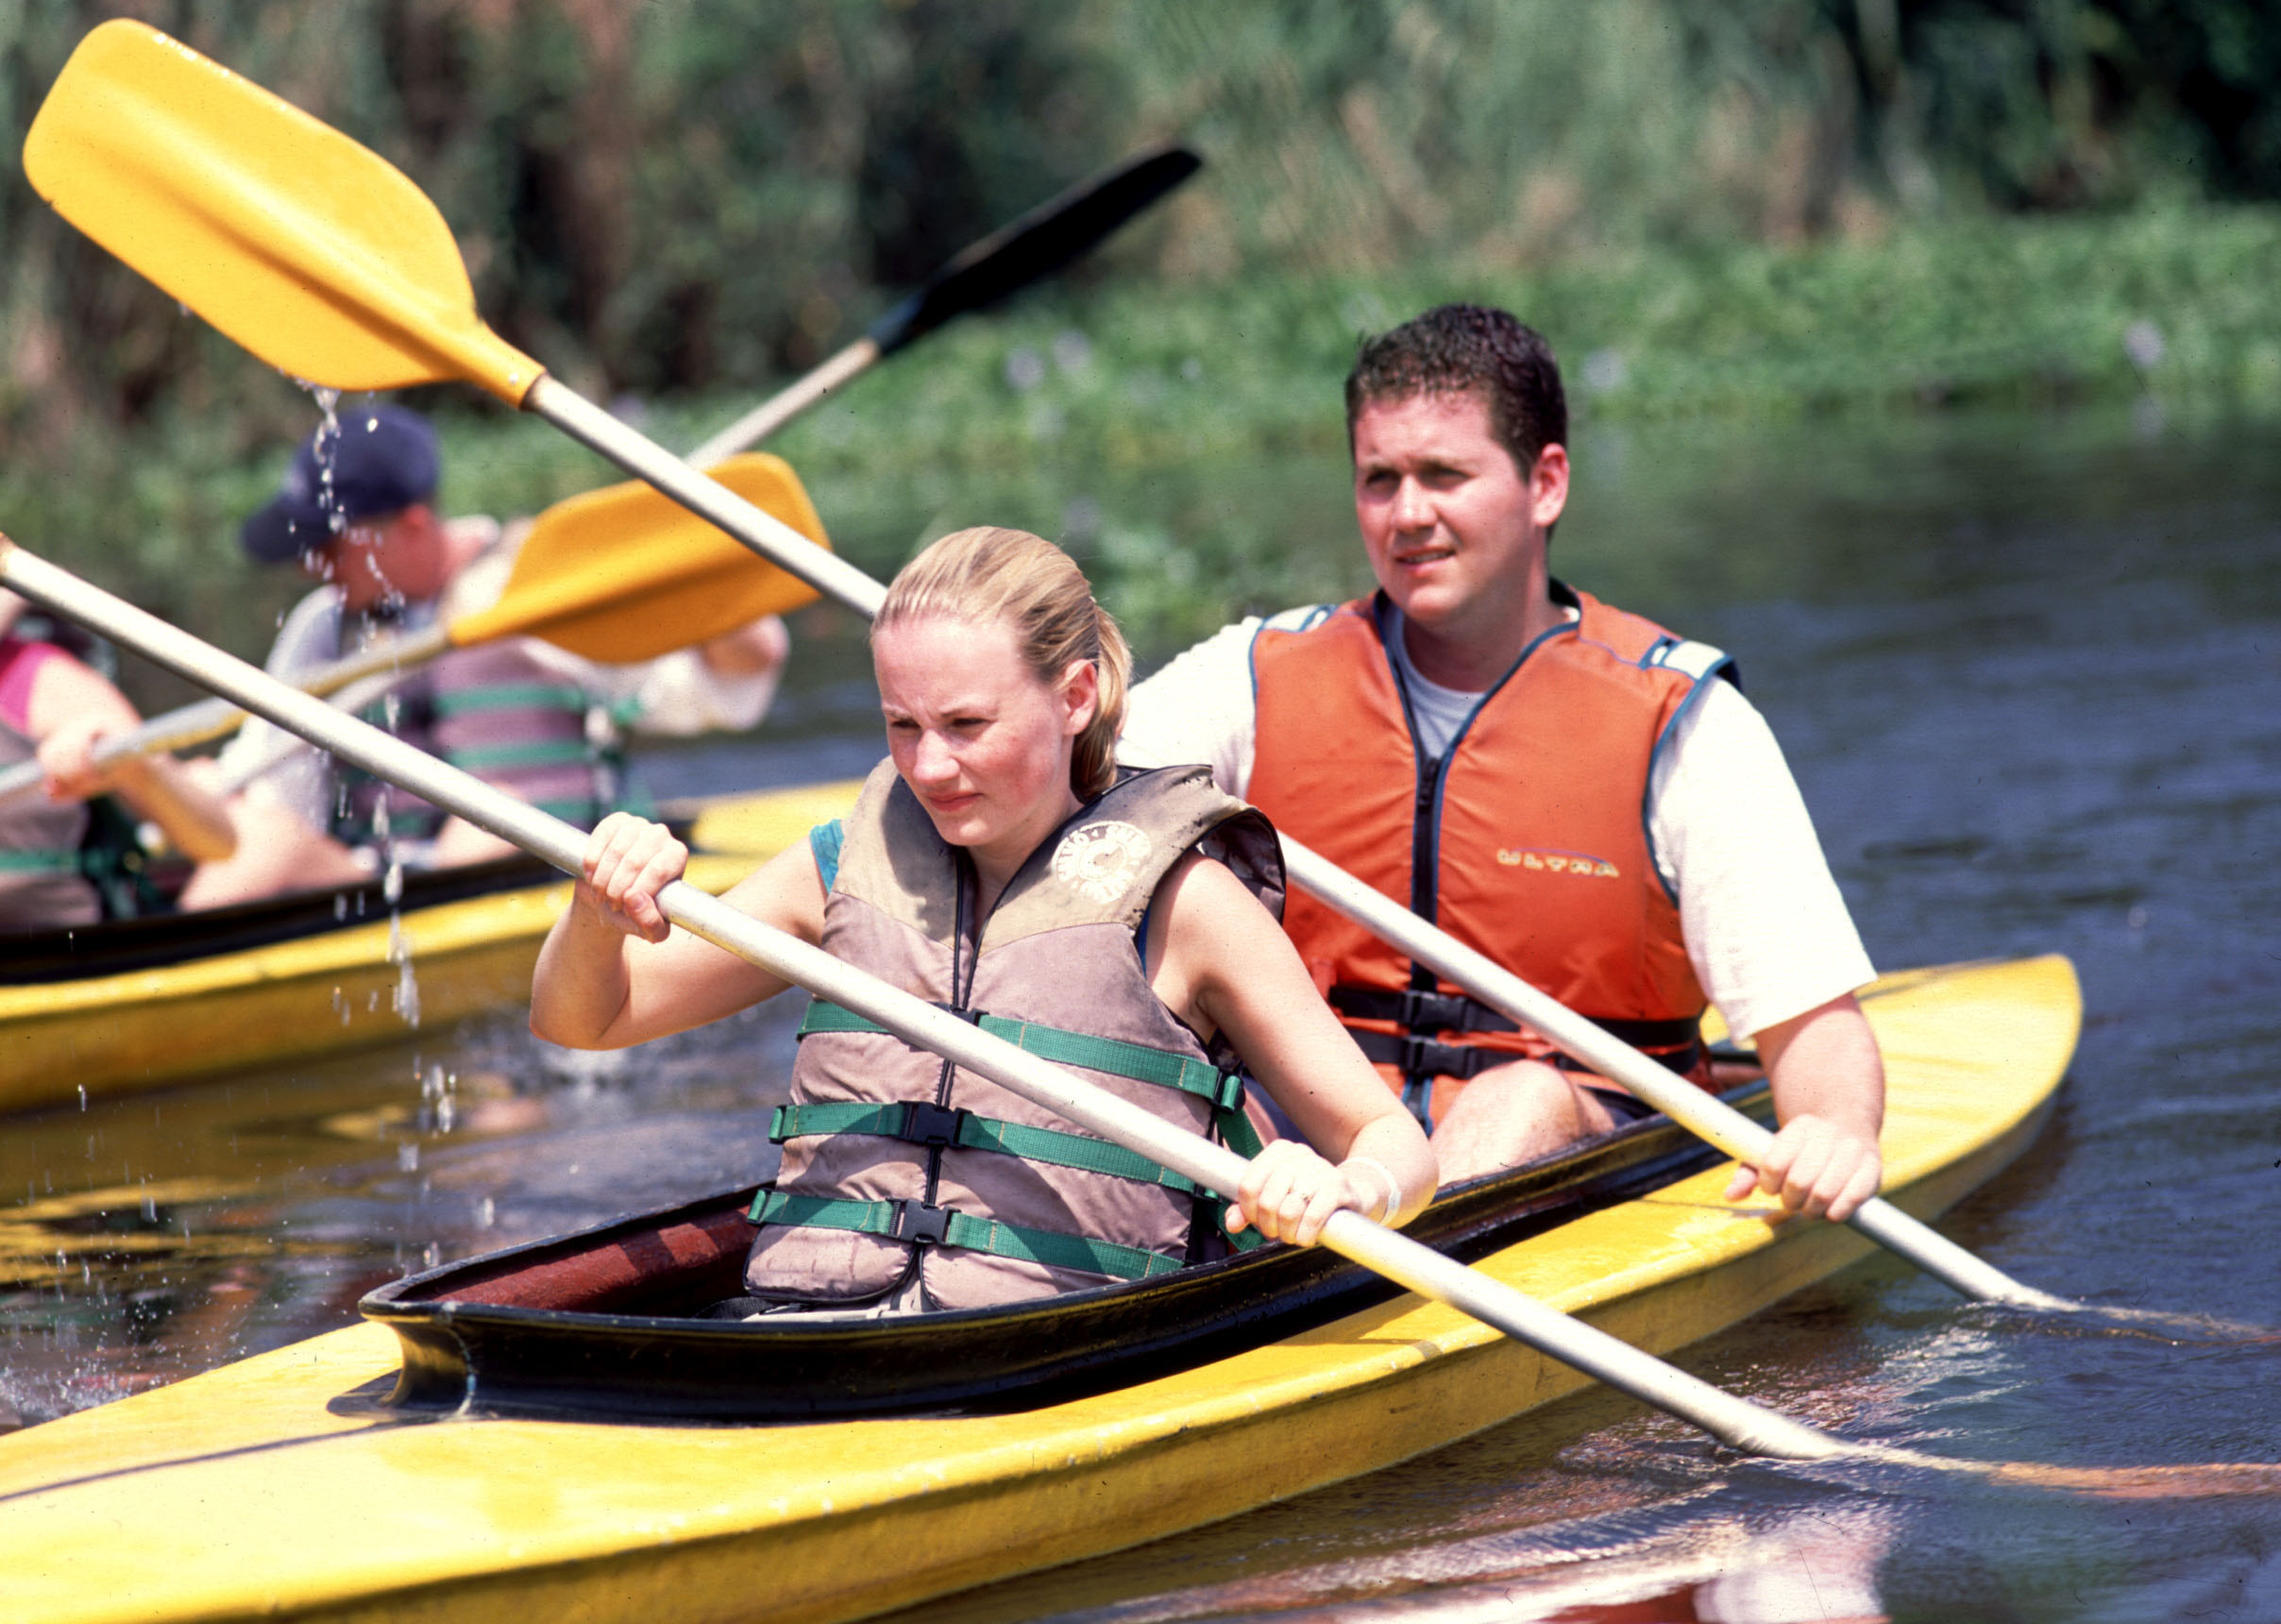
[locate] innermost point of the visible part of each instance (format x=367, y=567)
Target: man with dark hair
x=1581, y=795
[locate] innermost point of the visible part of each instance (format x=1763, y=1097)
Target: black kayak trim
x=155, y=941
x=603, y=1323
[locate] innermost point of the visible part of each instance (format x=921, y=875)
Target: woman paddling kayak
x=999, y=864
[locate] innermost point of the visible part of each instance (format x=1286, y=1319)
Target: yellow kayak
x=291, y=1485
x=143, y=1002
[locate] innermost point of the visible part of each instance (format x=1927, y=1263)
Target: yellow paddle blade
x=316, y=255
x=626, y=574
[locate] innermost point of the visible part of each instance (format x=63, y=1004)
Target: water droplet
x=2143, y=345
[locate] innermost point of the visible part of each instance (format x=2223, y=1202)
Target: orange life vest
x=1527, y=840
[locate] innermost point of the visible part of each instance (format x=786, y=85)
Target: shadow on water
x=2024, y=666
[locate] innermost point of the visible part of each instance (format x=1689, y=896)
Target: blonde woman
x=999, y=864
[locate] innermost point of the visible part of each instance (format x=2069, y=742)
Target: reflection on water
x=162, y=1235
x=2025, y=667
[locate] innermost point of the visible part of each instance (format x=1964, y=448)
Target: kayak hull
x=287, y=1485
x=339, y=985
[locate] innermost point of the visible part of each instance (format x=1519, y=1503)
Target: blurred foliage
x=682, y=193
x=1770, y=206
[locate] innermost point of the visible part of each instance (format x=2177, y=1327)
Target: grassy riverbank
x=1187, y=440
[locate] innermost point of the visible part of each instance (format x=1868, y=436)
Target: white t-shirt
x=1767, y=931
x=674, y=694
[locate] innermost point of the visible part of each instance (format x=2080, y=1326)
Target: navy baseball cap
x=383, y=460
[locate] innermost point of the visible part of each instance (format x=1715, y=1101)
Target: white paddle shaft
x=763, y=533
x=786, y=405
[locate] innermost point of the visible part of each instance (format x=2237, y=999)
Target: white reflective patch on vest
x=1304, y=618
x=1098, y=861
x=1688, y=657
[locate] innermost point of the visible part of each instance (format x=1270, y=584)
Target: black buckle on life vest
x=1426, y=1011
x=921, y=1225
x=1419, y=1010
x=933, y=1126
x=972, y=1017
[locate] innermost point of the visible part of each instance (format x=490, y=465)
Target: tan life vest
x=1528, y=842
x=899, y=1169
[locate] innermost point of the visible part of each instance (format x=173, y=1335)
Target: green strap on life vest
x=512, y=695
x=921, y=1225
x=971, y=1132
x=1222, y=1091
x=37, y=860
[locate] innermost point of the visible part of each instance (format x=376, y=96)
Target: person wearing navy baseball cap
x=357, y=510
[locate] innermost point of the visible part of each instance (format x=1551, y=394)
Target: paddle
x=317, y=254
x=324, y=259
x=614, y=575
x=1036, y=245
x=1733, y=1420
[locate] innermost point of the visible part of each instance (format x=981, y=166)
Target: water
x=2024, y=668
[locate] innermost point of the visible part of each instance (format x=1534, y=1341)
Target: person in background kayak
x=1000, y=864
x=55, y=709
x=357, y=511
x=1581, y=795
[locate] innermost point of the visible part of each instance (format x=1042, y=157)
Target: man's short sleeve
x=1199, y=708
x=1766, y=930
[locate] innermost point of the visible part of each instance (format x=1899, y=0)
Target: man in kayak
x=357, y=510
x=1581, y=795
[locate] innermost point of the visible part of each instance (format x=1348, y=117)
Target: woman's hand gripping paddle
x=1007, y=260
x=614, y=575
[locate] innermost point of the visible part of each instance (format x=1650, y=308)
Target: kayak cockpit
x=608, y=1323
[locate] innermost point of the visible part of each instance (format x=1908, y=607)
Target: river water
x=2025, y=667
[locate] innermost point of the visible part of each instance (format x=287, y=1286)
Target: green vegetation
x=1756, y=212
x=1187, y=442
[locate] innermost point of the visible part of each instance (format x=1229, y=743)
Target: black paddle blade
x=1036, y=245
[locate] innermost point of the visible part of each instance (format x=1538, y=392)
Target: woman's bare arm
x=1222, y=964
x=614, y=974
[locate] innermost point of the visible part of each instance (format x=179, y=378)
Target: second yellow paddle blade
x=316, y=255
x=627, y=574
